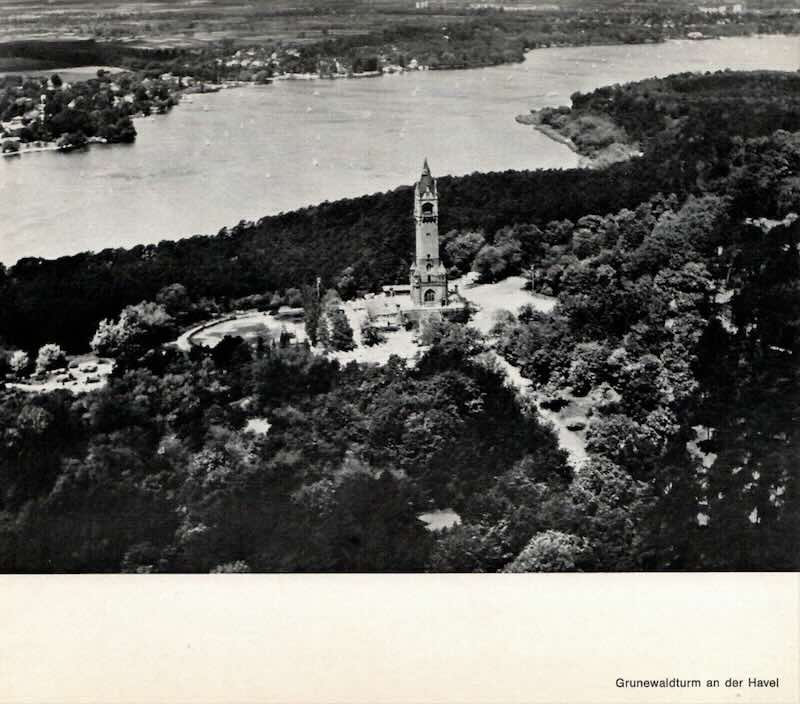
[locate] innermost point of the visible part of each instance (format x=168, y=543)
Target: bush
x=462, y=249
x=19, y=362
x=370, y=335
x=237, y=567
x=50, y=356
x=139, y=328
x=552, y=551
x=499, y=260
x=341, y=332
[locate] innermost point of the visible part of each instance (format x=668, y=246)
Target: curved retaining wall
x=205, y=326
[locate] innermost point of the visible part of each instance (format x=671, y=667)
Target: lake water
x=249, y=152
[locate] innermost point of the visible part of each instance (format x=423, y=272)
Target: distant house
x=13, y=126
x=288, y=313
x=733, y=9
x=397, y=289
x=386, y=316
x=171, y=79
x=9, y=145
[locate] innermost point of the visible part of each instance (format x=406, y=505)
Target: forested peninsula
x=613, y=122
x=677, y=328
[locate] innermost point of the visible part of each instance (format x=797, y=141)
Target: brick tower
x=428, y=276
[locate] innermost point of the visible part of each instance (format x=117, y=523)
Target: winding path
x=567, y=439
x=509, y=294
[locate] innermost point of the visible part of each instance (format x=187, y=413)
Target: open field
x=69, y=74
x=85, y=373
x=249, y=325
x=508, y=294
x=196, y=24
x=193, y=24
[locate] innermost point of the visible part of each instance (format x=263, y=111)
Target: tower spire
x=426, y=180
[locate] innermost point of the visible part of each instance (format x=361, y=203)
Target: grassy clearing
x=249, y=325
x=70, y=74
x=508, y=294
x=86, y=373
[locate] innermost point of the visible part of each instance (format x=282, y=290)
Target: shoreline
x=530, y=119
x=181, y=95
x=603, y=158
x=556, y=136
x=52, y=147
x=613, y=153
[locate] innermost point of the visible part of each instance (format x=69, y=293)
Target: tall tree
x=341, y=332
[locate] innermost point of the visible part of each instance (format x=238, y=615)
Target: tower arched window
x=427, y=213
x=430, y=296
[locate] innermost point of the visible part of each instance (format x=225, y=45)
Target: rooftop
x=426, y=182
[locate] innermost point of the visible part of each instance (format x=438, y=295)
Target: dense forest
x=677, y=328
x=715, y=145
x=368, y=234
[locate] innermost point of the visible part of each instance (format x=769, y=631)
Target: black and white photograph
x=399, y=286
x=399, y=351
